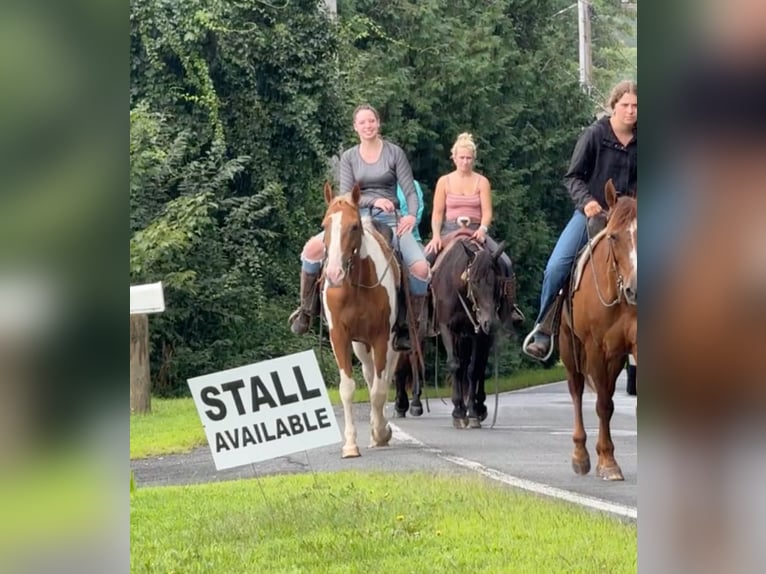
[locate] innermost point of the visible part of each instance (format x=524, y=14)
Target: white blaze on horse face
x=334, y=269
x=633, y=230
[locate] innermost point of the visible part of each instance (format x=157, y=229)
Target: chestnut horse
x=598, y=328
x=360, y=304
x=466, y=291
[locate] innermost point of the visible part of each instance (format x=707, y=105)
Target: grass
x=354, y=522
x=174, y=425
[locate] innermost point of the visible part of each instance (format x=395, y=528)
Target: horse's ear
x=499, y=251
x=611, y=193
x=468, y=250
x=355, y=193
x=328, y=194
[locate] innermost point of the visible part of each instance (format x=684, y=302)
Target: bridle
x=348, y=263
x=613, y=261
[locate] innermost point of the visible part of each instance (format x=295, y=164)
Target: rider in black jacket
x=607, y=149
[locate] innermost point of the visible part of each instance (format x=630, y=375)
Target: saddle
x=582, y=258
x=552, y=319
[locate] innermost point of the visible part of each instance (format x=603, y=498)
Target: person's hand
x=406, y=223
x=434, y=246
x=385, y=205
x=479, y=235
x=592, y=208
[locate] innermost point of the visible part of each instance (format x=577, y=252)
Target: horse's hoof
x=483, y=416
x=581, y=467
x=350, y=452
x=384, y=440
x=610, y=473
x=400, y=414
x=459, y=423
x=474, y=423
x=416, y=410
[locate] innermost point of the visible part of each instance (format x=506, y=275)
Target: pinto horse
x=465, y=285
x=598, y=328
x=360, y=305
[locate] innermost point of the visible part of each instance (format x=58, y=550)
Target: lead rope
x=497, y=388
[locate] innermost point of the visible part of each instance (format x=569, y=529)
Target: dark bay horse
x=598, y=328
x=360, y=304
x=466, y=289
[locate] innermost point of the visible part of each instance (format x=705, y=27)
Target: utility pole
x=586, y=64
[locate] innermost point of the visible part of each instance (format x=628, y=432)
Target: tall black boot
x=300, y=319
x=402, y=334
x=509, y=313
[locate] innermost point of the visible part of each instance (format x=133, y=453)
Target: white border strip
x=528, y=485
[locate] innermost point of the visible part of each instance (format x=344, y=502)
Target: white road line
x=528, y=485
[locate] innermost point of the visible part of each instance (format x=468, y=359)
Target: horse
x=465, y=284
x=360, y=305
x=598, y=327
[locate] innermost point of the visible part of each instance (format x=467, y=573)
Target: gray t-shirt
x=378, y=180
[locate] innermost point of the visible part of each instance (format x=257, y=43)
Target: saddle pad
x=583, y=257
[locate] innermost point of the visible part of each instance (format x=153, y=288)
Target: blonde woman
x=463, y=199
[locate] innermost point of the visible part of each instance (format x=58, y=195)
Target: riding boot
x=300, y=319
x=402, y=334
x=510, y=315
x=540, y=346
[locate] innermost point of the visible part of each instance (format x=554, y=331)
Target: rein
x=614, y=268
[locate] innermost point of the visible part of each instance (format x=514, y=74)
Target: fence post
x=144, y=299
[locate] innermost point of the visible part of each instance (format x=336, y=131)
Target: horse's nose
x=631, y=291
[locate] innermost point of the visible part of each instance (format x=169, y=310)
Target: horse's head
x=622, y=234
x=481, y=284
x=342, y=233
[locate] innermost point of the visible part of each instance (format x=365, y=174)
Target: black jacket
x=599, y=156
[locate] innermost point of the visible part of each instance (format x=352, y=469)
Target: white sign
x=146, y=299
x=265, y=410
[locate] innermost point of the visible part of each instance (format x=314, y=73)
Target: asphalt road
x=529, y=448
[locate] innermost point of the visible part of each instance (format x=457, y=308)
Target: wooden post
x=140, y=381
x=143, y=299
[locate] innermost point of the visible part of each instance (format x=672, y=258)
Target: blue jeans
x=572, y=239
x=409, y=248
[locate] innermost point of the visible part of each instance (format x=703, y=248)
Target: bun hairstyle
x=624, y=87
x=464, y=141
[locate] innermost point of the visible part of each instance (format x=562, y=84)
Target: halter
x=349, y=265
x=613, y=260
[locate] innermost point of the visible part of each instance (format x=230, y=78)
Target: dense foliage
x=238, y=108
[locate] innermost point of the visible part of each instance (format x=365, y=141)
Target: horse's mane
x=623, y=213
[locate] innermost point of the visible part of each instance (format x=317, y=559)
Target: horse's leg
x=576, y=382
x=604, y=380
x=384, y=358
x=471, y=377
x=416, y=408
x=451, y=344
x=481, y=358
x=342, y=350
x=401, y=403
x=580, y=456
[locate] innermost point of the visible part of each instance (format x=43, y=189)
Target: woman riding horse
x=376, y=165
x=607, y=149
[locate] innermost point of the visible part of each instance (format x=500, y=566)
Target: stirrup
x=529, y=339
